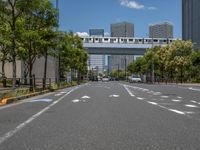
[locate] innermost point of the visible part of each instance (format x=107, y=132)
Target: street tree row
x=176, y=62
x=28, y=32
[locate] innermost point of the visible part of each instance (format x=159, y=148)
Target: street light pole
x=58, y=59
x=125, y=68
x=153, y=71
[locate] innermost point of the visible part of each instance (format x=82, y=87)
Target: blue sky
x=81, y=15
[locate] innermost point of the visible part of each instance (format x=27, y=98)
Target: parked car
x=135, y=78
x=105, y=79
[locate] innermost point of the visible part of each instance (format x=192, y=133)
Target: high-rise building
x=97, y=63
x=191, y=21
x=123, y=29
x=161, y=30
x=96, y=32
x=116, y=62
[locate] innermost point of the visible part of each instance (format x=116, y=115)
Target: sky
x=82, y=15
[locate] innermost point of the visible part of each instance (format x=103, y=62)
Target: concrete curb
x=15, y=99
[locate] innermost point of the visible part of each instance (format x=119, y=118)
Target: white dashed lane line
x=127, y=87
x=191, y=106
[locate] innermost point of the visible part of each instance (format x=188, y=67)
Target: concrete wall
x=38, y=68
x=9, y=69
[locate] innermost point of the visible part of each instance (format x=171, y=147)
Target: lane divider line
x=156, y=104
x=22, y=125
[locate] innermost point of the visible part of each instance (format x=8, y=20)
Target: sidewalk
x=182, y=84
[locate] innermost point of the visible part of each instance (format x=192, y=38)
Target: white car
x=135, y=78
x=105, y=79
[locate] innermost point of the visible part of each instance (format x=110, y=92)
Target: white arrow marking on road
x=75, y=100
x=85, y=97
x=41, y=100
x=114, y=96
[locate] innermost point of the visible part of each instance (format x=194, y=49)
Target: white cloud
x=135, y=5
x=82, y=34
x=131, y=4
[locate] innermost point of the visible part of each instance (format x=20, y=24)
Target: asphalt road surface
x=105, y=116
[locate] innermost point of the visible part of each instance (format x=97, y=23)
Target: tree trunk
x=3, y=73
x=45, y=69
x=13, y=48
x=14, y=72
x=30, y=67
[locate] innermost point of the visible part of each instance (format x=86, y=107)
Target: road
x=105, y=116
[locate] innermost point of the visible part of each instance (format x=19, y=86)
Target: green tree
x=13, y=10
x=179, y=56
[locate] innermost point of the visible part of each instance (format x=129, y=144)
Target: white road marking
x=85, y=97
x=59, y=94
x=41, y=100
x=164, y=96
x=22, y=125
x=194, y=89
x=75, y=100
x=157, y=93
x=128, y=90
x=177, y=111
x=140, y=98
x=114, y=95
x=156, y=104
x=176, y=100
x=179, y=97
x=191, y=106
x=153, y=103
x=63, y=92
x=193, y=102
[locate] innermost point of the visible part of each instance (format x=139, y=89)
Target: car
x=135, y=78
x=105, y=79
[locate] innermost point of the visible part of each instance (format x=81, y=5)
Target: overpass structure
x=122, y=45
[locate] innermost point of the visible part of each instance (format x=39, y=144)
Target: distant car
x=135, y=78
x=105, y=79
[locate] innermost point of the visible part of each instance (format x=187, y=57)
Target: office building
x=161, y=30
x=96, y=32
x=123, y=29
x=96, y=63
x=191, y=21
x=116, y=62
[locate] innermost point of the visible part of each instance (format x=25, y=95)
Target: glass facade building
x=123, y=29
x=191, y=21
x=161, y=30
x=96, y=32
